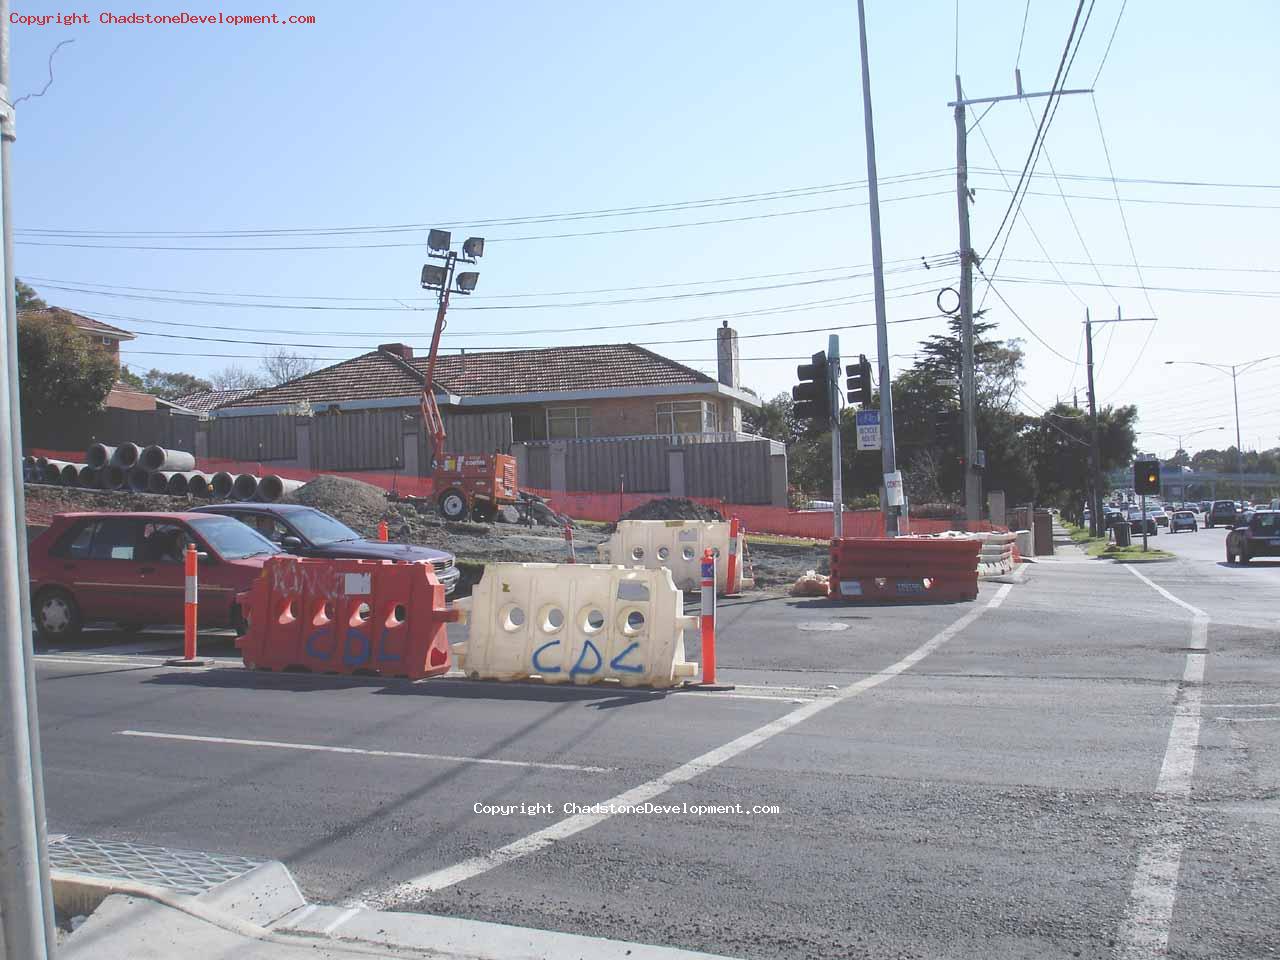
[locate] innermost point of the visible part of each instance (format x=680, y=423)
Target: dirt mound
x=672, y=508
x=43, y=502
x=357, y=504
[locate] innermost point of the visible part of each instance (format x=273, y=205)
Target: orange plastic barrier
x=347, y=616
x=905, y=568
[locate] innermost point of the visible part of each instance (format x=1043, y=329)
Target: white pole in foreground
x=26, y=902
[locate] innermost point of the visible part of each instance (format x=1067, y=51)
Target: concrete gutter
x=263, y=914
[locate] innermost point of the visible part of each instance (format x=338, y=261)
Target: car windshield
x=1266, y=523
x=320, y=528
x=232, y=539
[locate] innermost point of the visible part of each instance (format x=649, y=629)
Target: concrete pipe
x=179, y=484
x=88, y=476
x=220, y=485
x=99, y=455
x=158, y=458
x=198, y=486
x=52, y=472
x=158, y=481
x=71, y=475
x=112, y=477
x=126, y=456
x=245, y=487
x=28, y=461
x=273, y=487
x=39, y=464
x=139, y=480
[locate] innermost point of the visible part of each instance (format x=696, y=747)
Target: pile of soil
x=45, y=501
x=358, y=505
x=672, y=508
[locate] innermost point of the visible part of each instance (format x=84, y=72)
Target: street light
x=1178, y=437
x=1234, y=369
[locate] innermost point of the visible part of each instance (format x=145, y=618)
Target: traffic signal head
x=812, y=395
x=858, y=386
x=1146, y=476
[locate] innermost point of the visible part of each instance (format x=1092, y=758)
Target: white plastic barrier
x=995, y=559
x=676, y=545
x=576, y=623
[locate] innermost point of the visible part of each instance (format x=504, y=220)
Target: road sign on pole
x=868, y=422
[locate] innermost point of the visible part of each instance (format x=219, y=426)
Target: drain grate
x=185, y=871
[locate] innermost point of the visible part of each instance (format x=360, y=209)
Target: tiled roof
x=77, y=320
x=378, y=375
x=207, y=400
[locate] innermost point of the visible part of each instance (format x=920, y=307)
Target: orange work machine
x=463, y=484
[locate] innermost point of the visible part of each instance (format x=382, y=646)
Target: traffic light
x=1146, y=476
x=812, y=395
x=858, y=386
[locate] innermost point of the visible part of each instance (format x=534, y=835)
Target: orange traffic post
x=733, y=582
x=568, y=538
x=709, y=626
x=190, y=618
x=382, y=531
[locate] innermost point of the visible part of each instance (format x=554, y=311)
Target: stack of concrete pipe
x=155, y=469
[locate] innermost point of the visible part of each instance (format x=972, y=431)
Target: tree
x=127, y=376
x=171, y=386
x=28, y=299
x=60, y=371
x=1057, y=446
x=774, y=419
x=236, y=377
x=284, y=365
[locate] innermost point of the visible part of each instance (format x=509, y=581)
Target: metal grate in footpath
x=184, y=871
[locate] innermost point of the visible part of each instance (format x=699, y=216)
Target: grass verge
x=1103, y=548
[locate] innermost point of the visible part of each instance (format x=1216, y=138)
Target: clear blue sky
x=414, y=114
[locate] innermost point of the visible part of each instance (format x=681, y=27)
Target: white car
x=1183, y=520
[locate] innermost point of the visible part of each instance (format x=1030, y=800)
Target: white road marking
x=339, y=920
x=1247, y=719
x=1240, y=706
x=419, y=886
x=358, y=751
x=297, y=917
x=1144, y=932
x=98, y=662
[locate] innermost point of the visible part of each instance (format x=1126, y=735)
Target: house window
x=107, y=341
x=688, y=416
x=568, y=423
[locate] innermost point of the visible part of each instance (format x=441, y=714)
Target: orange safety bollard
x=709, y=627
x=568, y=538
x=733, y=581
x=382, y=531
x=191, y=563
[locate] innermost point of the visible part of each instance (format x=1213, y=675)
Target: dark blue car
x=309, y=532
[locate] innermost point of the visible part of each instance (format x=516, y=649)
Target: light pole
x=1234, y=369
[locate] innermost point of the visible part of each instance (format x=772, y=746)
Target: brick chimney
x=727, y=355
x=401, y=350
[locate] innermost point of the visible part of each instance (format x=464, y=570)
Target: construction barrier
x=996, y=555
x=678, y=546
x=905, y=568
x=347, y=616
x=579, y=623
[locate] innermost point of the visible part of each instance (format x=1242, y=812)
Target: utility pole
x=968, y=377
x=1096, y=527
x=888, y=454
x=837, y=461
x=26, y=899
x=968, y=399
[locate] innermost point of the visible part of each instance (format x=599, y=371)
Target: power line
x=1031, y=330
x=1202, y=291
x=1141, y=181
x=642, y=209
x=1152, y=266
x=1110, y=40
x=1026, y=12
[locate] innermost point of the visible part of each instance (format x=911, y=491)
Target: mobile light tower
x=475, y=483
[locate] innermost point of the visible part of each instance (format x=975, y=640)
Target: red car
x=128, y=568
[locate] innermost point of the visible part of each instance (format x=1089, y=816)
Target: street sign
x=868, y=422
x=893, y=488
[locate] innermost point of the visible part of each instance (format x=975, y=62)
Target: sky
x=157, y=147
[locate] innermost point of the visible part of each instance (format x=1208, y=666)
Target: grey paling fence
x=734, y=472
x=268, y=437
x=475, y=433
x=603, y=466
x=112, y=427
x=357, y=440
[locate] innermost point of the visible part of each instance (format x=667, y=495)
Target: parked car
x=1221, y=512
x=1259, y=538
x=1183, y=520
x=127, y=568
x=1161, y=515
x=1135, y=521
x=309, y=532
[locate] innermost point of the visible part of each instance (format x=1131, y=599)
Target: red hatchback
x=127, y=568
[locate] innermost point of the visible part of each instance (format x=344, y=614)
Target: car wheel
x=453, y=505
x=57, y=615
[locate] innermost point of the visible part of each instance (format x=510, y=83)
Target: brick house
x=104, y=337
x=558, y=393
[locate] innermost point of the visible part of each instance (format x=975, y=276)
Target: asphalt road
x=1039, y=773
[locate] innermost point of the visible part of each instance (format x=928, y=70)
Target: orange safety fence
x=604, y=507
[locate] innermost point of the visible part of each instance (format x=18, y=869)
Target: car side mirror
x=291, y=543
x=204, y=557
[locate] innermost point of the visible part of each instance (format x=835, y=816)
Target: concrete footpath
x=261, y=913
